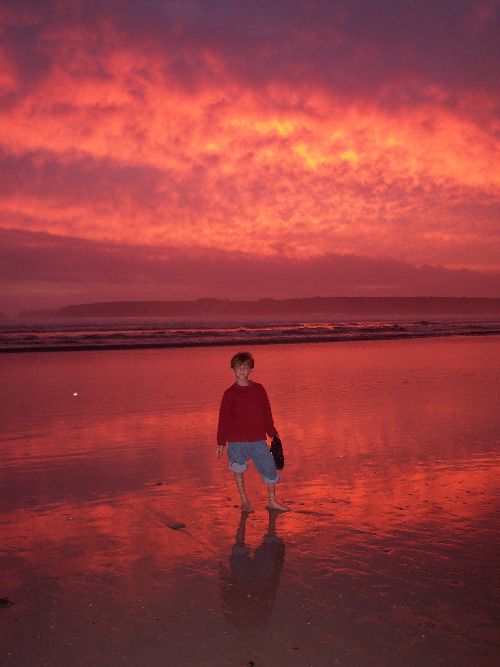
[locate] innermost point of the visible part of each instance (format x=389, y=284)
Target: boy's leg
x=238, y=457
x=273, y=503
x=240, y=483
x=264, y=463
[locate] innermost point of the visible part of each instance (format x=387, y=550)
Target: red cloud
x=304, y=129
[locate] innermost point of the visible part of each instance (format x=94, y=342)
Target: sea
x=131, y=333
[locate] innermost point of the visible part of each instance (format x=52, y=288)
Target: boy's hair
x=242, y=358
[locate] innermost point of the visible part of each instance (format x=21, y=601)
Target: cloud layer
x=34, y=263
x=304, y=131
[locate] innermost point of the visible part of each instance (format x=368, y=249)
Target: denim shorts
x=240, y=452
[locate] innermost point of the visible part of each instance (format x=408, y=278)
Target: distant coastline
x=332, y=306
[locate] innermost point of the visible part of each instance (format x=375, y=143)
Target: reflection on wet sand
x=250, y=582
x=118, y=523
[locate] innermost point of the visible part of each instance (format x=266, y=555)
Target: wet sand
x=122, y=543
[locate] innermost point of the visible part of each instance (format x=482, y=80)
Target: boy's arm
x=224, y=417
x=268, y=415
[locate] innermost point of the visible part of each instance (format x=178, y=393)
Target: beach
x=123, y=544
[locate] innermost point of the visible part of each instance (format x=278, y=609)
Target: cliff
x=274, y=308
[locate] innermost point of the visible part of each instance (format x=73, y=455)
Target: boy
x=244, y=420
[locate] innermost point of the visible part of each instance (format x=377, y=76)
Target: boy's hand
x=220, y=451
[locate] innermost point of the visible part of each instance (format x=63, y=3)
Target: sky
x=177, y=149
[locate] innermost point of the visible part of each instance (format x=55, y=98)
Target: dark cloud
x=23, y=50
x=163, y=272
x=398, y=50
x=75, y=179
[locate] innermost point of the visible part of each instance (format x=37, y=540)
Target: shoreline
x=241, y=342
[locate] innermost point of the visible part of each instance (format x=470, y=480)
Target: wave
x=95, y=335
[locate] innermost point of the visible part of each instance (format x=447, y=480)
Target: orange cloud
x=208, y=139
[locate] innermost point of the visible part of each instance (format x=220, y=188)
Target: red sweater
x=245, y=414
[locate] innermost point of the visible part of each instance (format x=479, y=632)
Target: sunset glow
x=144, y=146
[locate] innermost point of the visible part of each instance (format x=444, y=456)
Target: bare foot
x=278, y=506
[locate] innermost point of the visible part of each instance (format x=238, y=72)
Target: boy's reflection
x=250, y=583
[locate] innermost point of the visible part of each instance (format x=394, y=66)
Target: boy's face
x=242, y=370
